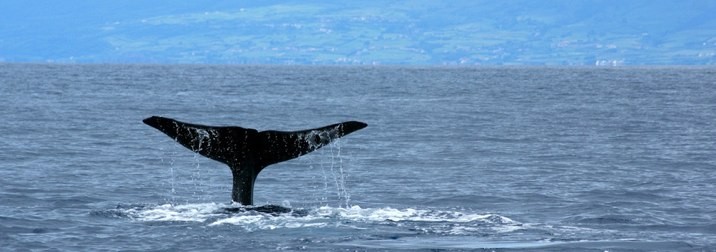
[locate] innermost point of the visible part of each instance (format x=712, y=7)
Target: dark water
x=453, y=158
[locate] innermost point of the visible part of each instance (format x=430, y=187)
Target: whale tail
x=248, y=151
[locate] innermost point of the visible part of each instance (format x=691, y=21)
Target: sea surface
x=507, y=158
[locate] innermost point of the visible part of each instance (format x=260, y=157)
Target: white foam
x=356, y=213
x=434, y=221
x=168, y=212
x=269, y=222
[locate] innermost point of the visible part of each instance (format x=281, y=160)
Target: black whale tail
x=248, y=151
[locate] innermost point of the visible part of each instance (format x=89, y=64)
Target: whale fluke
x=248, y=151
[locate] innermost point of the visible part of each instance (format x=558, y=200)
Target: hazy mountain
x=555, y=32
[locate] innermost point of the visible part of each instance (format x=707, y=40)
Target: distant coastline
x=562, y=33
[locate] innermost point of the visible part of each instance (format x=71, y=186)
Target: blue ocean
x=453, y=158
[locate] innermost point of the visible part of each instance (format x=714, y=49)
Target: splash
x=356, y=213
x=425, y=221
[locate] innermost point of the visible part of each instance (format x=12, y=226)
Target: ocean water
x=553, y=159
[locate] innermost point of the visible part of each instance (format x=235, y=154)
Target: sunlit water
x=453, y=158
